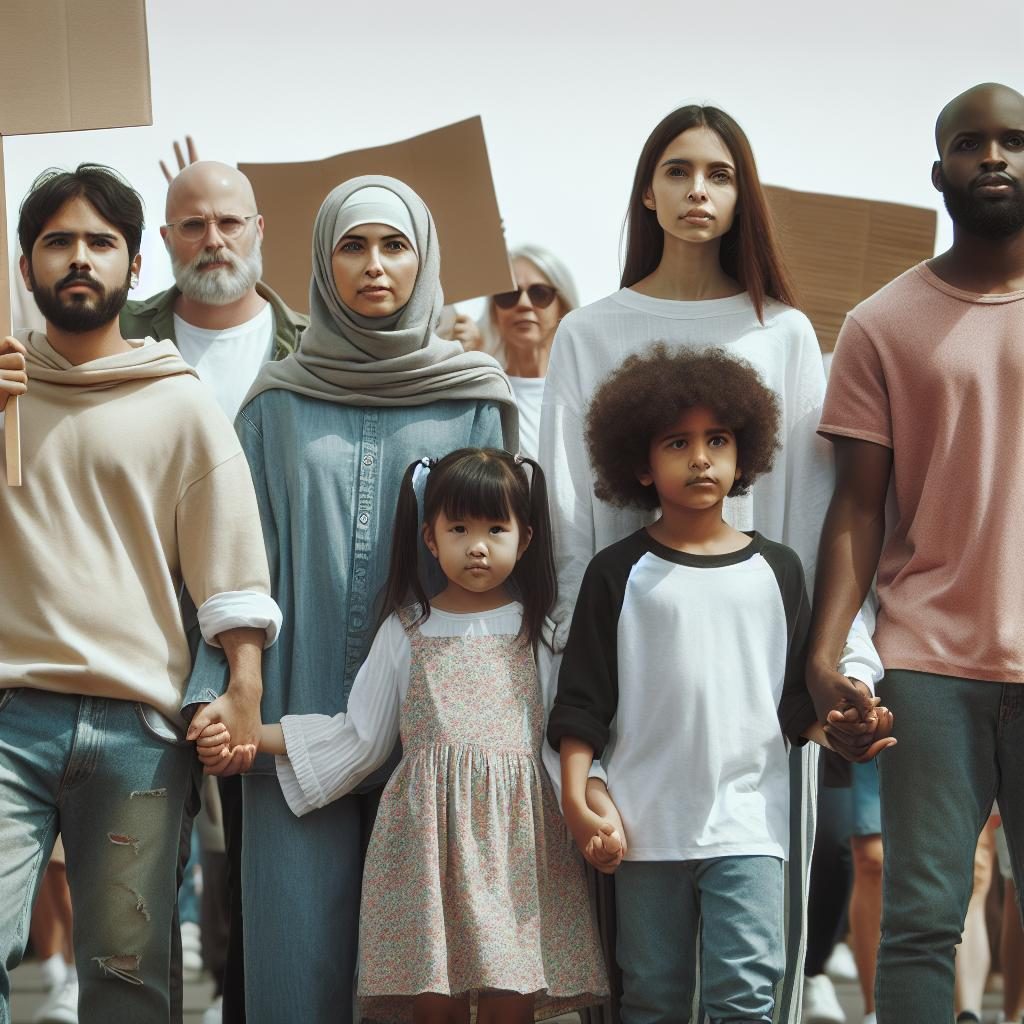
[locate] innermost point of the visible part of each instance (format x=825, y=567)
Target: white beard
x=224, y=285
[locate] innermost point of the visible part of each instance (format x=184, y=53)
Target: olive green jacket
x=154, y=318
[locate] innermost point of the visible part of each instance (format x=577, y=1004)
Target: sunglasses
x=540, y=295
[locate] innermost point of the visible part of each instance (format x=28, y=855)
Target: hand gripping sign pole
x=52, y=82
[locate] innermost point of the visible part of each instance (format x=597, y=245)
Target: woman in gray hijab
x=328, y=432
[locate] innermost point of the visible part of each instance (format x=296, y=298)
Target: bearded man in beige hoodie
x=134, y=485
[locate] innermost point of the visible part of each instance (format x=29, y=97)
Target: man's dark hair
x=102, y=187
x=647, y=394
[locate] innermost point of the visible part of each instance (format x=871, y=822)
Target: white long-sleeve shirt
x=787, y=505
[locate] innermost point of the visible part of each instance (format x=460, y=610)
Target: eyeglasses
x=540, y=295
x=229, y=225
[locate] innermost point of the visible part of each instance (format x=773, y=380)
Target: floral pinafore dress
x=472, y=881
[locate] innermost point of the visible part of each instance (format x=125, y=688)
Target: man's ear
x=428, y=539
x=937, y=179
x=24, y=268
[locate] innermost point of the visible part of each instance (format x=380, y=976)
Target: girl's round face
x=374, y=269
x=477, y=555
x=693, y=191
x=526, y=325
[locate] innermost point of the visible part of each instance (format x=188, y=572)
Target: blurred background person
x=518, y=329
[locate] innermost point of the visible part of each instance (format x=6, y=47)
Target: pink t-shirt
x=937, y=375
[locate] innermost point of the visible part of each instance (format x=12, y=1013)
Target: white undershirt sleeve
x=239, y=609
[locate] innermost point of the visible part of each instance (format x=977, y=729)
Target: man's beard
x=986, y=218
x=80, y=313
x=223, y=285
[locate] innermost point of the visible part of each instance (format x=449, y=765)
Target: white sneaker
x=191, y=951
x=841, y=966
x=870, y=1018
x=820, y=1003
x=61, y=1005
x=215, y=1014
x=54, y=971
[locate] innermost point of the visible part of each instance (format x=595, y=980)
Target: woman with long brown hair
x=702, y=270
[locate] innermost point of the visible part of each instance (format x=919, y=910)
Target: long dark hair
x=749, y=252
x=471, y=483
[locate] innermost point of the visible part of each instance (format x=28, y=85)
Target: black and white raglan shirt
x=686, y=675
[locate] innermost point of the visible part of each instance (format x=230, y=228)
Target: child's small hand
x=606, y=849
x=213, y=744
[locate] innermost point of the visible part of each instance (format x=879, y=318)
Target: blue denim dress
x=327, y=478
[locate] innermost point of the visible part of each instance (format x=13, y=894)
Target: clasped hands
x=597, y=828
x=856, y=725
x=212, y=728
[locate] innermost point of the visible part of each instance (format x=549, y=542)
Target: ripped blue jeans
x=113, y=777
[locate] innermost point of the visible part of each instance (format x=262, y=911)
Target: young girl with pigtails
x=472, y=892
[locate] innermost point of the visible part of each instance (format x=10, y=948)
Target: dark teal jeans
x=961, y=746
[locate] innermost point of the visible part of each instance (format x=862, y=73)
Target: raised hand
x=466, y=333
x=193, y=156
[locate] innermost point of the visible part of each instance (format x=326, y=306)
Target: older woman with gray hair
x=518, y=329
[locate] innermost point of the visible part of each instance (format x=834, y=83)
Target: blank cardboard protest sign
x=450, y=170
x=841, y=250
x=54, y=80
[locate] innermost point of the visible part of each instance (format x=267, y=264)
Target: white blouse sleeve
x=570, y=480
x=548, y=663
x=329, y=756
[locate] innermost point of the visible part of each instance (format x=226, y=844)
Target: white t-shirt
x=529, y=392
x=228, y=360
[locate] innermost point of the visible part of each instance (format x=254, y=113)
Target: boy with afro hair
x=684, y=674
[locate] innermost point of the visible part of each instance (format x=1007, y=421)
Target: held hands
x=13, y=377
x=597, y=829
x=856, y=726
x=226, y=734
x=879, y=722
x=213, y=745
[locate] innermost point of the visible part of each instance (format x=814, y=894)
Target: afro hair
x=647, y=394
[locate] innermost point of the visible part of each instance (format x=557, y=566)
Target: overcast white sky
x=835, y=97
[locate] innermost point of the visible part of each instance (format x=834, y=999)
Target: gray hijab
x=397, y=360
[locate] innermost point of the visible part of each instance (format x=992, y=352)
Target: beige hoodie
x=134, y=482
